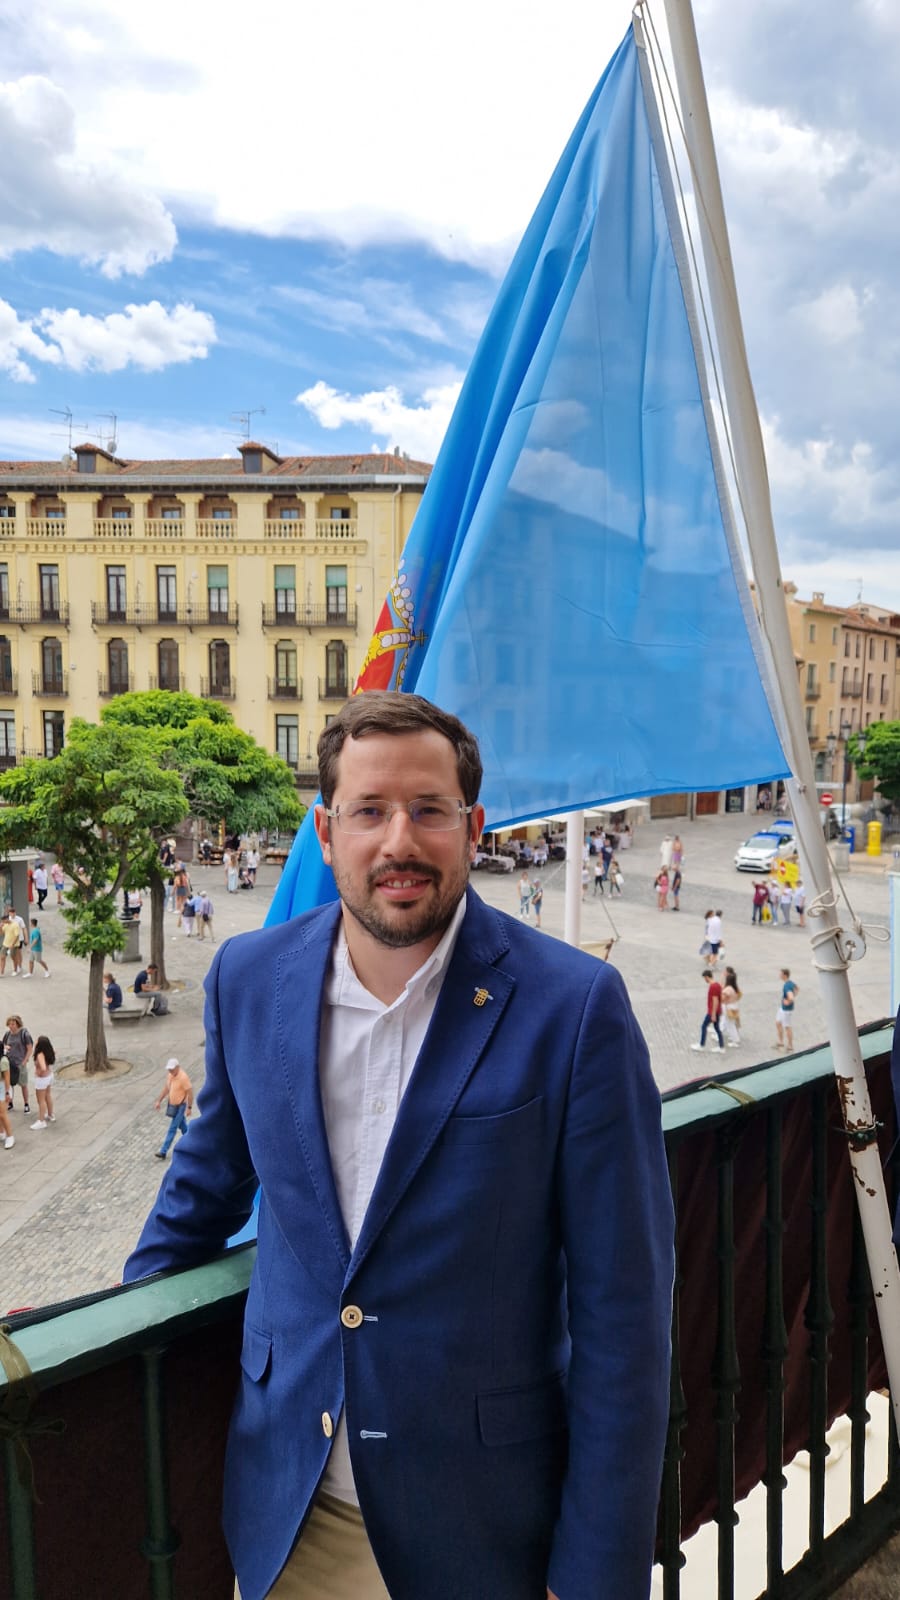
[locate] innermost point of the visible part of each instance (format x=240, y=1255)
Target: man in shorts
x=784, y=1016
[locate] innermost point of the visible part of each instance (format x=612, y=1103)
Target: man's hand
x=551, y=1595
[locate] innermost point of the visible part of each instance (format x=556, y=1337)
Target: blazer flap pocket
x=510, y=1416
x=522, y=1122
x=256, y=1352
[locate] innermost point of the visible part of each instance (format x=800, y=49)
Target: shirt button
x=379, y=1107
x=327, y=1425
x=351, y=1316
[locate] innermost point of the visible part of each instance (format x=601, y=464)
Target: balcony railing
x=55, y=684
x=206, y=616
x=773, y=1337
x=113, y=527
x=9, y=682
x=45, y=527
x=108, y=686
x=29, y=611
x=285, y=689
x=340, y=528
x=311, y=616
x=215, y=528
x=164, y=527
x=813, y=691
x=851, y=691
x=284, y=527
x=104, y=615
x=218, y=688
x=334, y=691
x=171, y=680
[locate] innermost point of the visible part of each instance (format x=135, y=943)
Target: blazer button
x=351, y=1316
x=327, y=1425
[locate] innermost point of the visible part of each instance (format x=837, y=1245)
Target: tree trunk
x=96, y=1056
x=157, y=928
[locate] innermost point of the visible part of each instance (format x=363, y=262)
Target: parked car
x=757, y=853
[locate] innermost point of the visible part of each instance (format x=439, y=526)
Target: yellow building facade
x=253, y=580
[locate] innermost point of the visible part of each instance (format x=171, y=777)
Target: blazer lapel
x=472, y=1000
x=299, y=985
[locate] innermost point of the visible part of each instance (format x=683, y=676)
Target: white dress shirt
x=366, y=1057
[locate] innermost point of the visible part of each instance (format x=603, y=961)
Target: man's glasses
x=436, y=815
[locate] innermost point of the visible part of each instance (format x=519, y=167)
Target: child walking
x=36, y=951
x=44, y=1058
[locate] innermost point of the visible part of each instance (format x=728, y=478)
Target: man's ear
x=323, y=833
x=476, y=827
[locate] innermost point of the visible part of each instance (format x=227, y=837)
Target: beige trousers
x=333, y=1559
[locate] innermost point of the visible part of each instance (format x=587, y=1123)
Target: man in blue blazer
x=455, y=1361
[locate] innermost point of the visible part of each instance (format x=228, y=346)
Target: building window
x=54, y=514
x=812, y=633
x=117, y=665
x=336, y=593
x=340, y=514
x=885, y=653
x=4, y=590
x=167, y=658
x=858, y=646
x=49, y=578
x=51, y=665
x=871, y=649
x=166, y=593
x=846, y=644
x=115, y=593
x=7, y=737
x=810, y=713
x=6, y=674
x=834, y=635
x=286, y=592
x=219, y=666
x=287, y=739
x=832, y=671
x=171, y=514
x=868, y=685
x=221, y=514
x=810, y=678
x=289, y=514
x=7, y=509
x=285, y=664
x=336, y=667
x=121, y=514
x=217, y=590
x=53, y=733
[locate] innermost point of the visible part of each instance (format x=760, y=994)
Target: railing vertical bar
x=20, y=1520
x=775, y=1350
x=161, y=1541
x=671, y=1557
x=819, y=1320
x=726, y=1368
x=859, y=1295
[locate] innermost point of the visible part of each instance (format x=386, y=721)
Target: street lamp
x=830, y=745
x=861, y=741
x=846, y=730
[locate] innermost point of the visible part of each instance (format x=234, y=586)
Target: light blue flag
x=571, y=587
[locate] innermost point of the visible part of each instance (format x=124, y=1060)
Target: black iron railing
x=285, y=689
x=311, y=616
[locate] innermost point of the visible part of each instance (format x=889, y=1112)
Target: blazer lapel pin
x=481, y=995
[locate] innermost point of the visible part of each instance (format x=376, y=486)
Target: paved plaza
x=73, y=1197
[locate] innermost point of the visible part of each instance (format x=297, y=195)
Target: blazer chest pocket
x=256, y=1353
x=507, y=1127
x=529, y=1411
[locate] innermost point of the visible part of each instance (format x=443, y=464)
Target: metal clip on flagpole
x=753, y=488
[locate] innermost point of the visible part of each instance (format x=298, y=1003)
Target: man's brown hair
x=388, y=711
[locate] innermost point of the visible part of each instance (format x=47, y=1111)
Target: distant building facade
x=255, y=581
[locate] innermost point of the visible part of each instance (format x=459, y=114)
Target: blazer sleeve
x=618, y=1236
x=208, y=1192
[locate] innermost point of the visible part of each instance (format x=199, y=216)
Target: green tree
x=882, y=758
x=224, y=772
x=99, y=806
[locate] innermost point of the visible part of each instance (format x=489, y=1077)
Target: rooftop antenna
x=244, y=417
x=859, y=596
x=67, y=414
x=112, y=439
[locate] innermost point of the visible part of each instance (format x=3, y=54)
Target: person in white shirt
x=455, y=1367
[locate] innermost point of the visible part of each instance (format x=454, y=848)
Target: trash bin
x=873, y=839
x=131, y=939
x=848, y=834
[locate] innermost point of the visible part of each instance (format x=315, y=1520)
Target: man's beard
x=423, y=919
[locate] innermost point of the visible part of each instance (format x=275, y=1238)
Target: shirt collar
x=343, y=988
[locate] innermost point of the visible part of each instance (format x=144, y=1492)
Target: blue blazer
x=507, y=1388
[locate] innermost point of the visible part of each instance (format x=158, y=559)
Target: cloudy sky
x=302, y=214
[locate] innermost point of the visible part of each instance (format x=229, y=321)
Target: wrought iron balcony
x=9, y=681
x=334, y=691
x=51, y=684
x=107, y=685
x=218, y=688
x=29, y=611
x=173, y=681
x=813, y=691
x=303, y=616
x=285, y=689
x=773, y=1337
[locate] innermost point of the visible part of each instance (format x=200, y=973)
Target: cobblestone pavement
x=72, y=1198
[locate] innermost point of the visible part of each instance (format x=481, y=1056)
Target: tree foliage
x=882, y=757
x=99, y=807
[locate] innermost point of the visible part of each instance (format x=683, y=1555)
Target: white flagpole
x=833, y=947
x=574, y=855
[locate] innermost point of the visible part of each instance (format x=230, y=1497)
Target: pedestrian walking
x=774, y=893
x=189, y=915
x=9, y=943
x=252, y=866
x=178, y=1094
x=677, y=853
x=58, y=880
x=616, y=880
x=675, y=886
x=714, y=936
x=182, y=889
x=731, y=1006
x=204, y=917
x=760, y=901
x=800, y=902
x=524, y=894
x=44, y=1058
x=661, y=884
x=537, y=900
x=786, y=900
x=713, y=1012
x=39, y=879
x=784, y=1016
x=599, y=875
x=36, y=950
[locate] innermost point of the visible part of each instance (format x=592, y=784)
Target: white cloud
x=419, y=430
x=147, y=336
x=836, y=314
x=819, y=477
x=54, y=198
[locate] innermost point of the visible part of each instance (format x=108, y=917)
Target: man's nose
x=399, y=833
